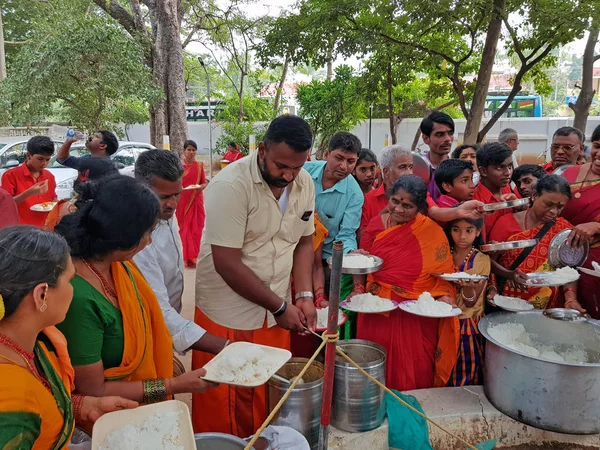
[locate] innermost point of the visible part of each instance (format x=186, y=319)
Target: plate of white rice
x=369, y=303
x=427, y=306
x=458, y=276
x=559, y=277
x=160, y=426
x=512, y=304
x=245, y=364
x=595, y=272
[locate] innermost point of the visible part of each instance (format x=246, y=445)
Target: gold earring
x=44, y=305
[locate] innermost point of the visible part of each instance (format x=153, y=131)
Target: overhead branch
x=120, y=14
x=16, y=42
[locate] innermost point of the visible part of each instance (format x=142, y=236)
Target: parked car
x=13, y=152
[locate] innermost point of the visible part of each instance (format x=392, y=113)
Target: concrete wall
x=535, y=134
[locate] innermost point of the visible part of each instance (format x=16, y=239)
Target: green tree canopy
x=83, y=67
x=332, y=105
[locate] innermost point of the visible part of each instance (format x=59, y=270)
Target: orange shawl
x=54, y=216
x=320, y=233
x=148, y=351
x=411, y=253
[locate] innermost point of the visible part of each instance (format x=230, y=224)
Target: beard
x=271, y=180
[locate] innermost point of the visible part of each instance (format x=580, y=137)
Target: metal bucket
x=358, y=402
x=555, y=396
x=302, y=409
x=219, y=441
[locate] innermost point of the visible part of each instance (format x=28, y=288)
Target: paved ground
x=188, y=313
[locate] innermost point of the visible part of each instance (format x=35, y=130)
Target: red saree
x=190, y=213
x=508, y=229
x=421, y=352
x=584, y=207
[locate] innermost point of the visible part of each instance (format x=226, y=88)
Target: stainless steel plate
x=501, y=246
x=504, y=205
x=543, y=279
x=561, y=254
x=361, y=270
x=560, y=170
x=421, y=167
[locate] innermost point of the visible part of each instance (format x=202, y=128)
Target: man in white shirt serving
x=161, y=262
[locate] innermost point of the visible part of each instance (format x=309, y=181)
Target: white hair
x=391, y=152
x=507, y=134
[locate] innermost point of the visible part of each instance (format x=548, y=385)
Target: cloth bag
x=409, y=431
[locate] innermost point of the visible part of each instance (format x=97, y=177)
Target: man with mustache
x=438, y=133
x=258, y=233
x=161, y=262
x=339, y=198
x=566, y=147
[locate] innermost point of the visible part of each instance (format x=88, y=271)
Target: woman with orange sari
x=583, y=211
x=116, y=333
x=190, y=212
x=421, y=352
x=541, y=221
x=37, y=410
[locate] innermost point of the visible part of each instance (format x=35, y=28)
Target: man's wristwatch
x=304, y=294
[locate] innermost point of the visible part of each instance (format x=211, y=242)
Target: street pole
x=210, y=150
x=370, y=124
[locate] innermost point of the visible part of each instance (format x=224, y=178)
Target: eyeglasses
x=565, y=147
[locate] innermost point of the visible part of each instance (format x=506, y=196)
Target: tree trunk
x=2, y=53
x=485, y=74
x=279, y=92
x=330, y=65
x=390, y=106
x=170, y=69
x=241, y=95
x=584, y=100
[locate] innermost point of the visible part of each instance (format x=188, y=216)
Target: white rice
x=369, y=303
x=465, y=275
x=247, y=367
x=358, y=261
x=564, y=275
x=429, y=306
x=516, y=337
x=322, y=317
x=512, y=303
x=157, y=432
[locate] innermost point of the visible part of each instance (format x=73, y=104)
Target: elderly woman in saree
x=37, y=410
x=421, y=351
x=116, y=333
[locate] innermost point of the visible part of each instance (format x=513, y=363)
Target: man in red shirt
x=495, y=164
x=29, y=184
x=396, y=161
x=566, y=147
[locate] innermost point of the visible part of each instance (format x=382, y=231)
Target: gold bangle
x=154, y=390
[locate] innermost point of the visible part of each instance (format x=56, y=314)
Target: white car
x=13, y=152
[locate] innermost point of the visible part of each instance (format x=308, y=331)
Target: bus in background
x=521, y=106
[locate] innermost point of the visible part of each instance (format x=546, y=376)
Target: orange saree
x=190, y=212
x=148, y=347
x=421, y=352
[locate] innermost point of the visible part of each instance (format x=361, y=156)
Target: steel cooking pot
x=555, y=396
